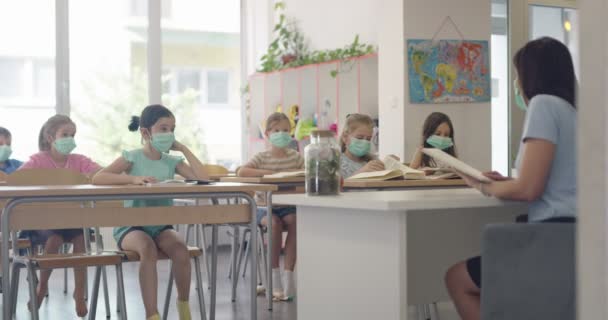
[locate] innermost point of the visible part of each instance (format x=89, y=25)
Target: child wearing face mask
x=279, y=158
x=56, y=143
x=355, y=143
x=437, y=132
x=7, y=165
x=149, y=164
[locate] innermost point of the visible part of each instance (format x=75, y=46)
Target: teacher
x=546, y=164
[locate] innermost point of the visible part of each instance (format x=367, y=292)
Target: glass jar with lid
x=322, y=158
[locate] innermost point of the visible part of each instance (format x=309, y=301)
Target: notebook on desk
x=455, y=163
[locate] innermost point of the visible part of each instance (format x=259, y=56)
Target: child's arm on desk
x=251, y=172
x=114, y=174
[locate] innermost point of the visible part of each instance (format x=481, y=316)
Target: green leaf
x=279, y=5
x=333, y=73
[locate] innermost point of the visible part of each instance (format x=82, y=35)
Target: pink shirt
x=76, y=162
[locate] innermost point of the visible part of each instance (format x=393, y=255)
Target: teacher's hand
x=496, y=176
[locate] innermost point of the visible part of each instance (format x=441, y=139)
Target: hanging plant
x=289, y=49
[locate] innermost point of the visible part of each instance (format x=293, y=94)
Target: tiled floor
x=60, y=306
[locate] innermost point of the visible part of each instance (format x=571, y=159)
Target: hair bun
x=134, y=125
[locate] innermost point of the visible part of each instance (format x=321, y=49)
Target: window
x=139, y=8
x=11, y=77
x=27, y=71
x=217, y=87
x=500, y=86
x=559, y=23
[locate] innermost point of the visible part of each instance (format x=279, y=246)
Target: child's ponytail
x=134, y=124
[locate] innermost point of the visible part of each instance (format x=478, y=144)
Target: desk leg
x=254, y=260
x=6, y=297
x=268, y=249
x=214, y=230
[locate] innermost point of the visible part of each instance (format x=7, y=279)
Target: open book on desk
x=455, y=163
x=287, y=174
x=393, y=170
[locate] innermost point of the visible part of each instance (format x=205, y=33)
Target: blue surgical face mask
x=519, y=99
x=440, y=142
x=162, y=142
x=65, y=146
x=359, y=147
x=280, y=139
x=5, y=152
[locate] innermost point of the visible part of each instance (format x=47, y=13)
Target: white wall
x=334, y=23
x=592, y=163
x=472, y=122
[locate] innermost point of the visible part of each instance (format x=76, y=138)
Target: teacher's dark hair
x=544, y=66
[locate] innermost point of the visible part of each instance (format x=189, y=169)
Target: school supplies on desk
x=287, y=174
x=455, y=163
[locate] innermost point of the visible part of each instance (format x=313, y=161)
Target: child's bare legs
x=290, y=255
x=290, y=242
x=79, y=278
x=143, y=244
x=52, y=244
x=169, y=242
x=464, y=292
x=277, y=239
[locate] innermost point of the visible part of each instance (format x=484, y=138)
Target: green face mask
x=65, y=146
x=440, y=142
x=359, y=147
x=519, y=100
x=162, y=142
x=280, y=139
x=5, y=152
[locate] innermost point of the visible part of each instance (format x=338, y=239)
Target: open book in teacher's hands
x=455, y=163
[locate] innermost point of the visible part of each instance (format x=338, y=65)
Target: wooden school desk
x=352, y=185
x=15, y=216
x=293, y=185
x=369, y=255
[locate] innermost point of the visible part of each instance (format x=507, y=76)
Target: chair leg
x=436, y=310
x=427, y=312
x=15, y=274
x=169, y=291
x=200, y=293
x=32, y=285
x=246, y=251
x=205, y=255
x=106, y=296
x=95, y=295
x=264, y=258
x=121, y=292
x=65, y=249
x=233, y=265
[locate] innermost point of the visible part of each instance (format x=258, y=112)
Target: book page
x=378, y=175
x=288, y=174
x=455, y=163
x=391, y=163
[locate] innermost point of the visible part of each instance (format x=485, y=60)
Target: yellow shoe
x=154, y=317
x=183, y=309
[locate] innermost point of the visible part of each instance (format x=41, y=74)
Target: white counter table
x=368, y=255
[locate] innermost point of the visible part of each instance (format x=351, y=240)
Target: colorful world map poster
x=448, y=71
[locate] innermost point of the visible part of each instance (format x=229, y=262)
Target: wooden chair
x=3, y=176
x=214, y=169
x=195, y=254
x=63, y=260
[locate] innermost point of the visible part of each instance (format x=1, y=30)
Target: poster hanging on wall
x=448, y=71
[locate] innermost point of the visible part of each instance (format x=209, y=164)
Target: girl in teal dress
x=150, y=164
